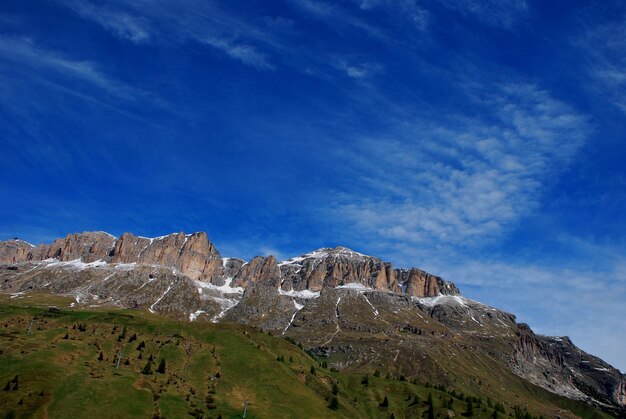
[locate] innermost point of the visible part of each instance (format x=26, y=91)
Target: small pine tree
x=377, y=374
x=312, y=370
x=334, y=404
x=141, y=345
x=147, y=370
x=366, y=380
x=392, y=416
x=335, y=389
x=133, y=337
x=101, y=357
x=402, y=378
x=7, y=387
x=67, y=336
x=470, y=408
x=495, y=415
x=416, y=400
x=384, y=403
x=291, y=359
x=161, y=369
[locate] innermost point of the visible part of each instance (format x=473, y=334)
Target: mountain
x=354, y=311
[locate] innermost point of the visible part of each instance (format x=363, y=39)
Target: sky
x=482, y=141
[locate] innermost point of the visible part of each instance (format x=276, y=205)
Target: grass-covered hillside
x=64, y=364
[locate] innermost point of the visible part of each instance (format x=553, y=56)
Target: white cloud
x=604, y=47
x=121, y=24
x=455, y=180
x=142, y=21
x=497, y=13
x=247, y=54
x=25, y=53
x=362, y=70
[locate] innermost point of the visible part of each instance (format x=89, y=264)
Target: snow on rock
x=441, y=299
x=224, y=289
x=73, y=264
x=355, y=286
x=306, y=294
x=193, y=316
x=160, y=298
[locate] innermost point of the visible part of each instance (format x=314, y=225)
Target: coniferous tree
x=366, y=380
x=470, y=408
x=334, y=404
x=312, y=370
x=161, y=369
x=384, y=403
x=147, y=370
x=335, y=389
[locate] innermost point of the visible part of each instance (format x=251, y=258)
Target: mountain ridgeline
x=355, y=312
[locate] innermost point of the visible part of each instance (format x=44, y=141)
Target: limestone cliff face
x=12, y=251
x=196, y=257
x=89, y=247
x=334, y=267
x=193, y=255
x=418, y=283
x=259, y=270
x=556, y=364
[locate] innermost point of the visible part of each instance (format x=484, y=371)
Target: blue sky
x=481, y=141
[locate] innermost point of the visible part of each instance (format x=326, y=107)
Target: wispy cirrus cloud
x=408, y=9
x=201, y=21
x=457, y=180
x=27, y=54
x=121, y=24
x=497, y=13
x=247, y=54
x=604, y=46
x=359, y=70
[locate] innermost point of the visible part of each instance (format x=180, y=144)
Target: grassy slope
x=210, y=370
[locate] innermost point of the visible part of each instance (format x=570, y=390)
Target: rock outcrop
x=334, y=267
x=259, y=270
x=418, y=283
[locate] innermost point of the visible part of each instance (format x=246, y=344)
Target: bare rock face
x=556, y=364
x=12, y=251
x=193, y=255
x=89, y=247
x=128, y=248
x=334, y=267
x=262, y=306
x=418, y=283
x=259, y=270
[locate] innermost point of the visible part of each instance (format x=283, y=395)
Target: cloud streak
x=27, y=54
x=459, y=180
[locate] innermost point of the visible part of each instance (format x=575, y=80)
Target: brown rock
x=86, y=246
x=259, y=269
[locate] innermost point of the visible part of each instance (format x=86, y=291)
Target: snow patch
x=74, y=264
x=298, y=308
x=440, y=299
x=354, y=286
x=226, y=304
x=224, y=289
x=193, y=316
x=306, y=294
x=160, y=298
